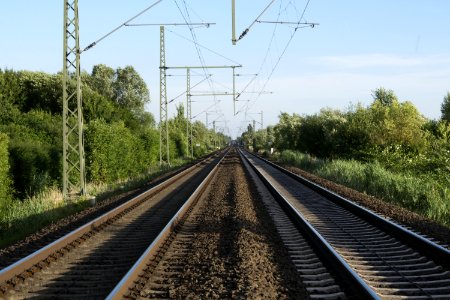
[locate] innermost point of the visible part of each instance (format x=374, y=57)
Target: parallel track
x=90, y=261
x=338, y=249
x=393, y=262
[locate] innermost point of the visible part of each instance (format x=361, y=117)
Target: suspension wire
x=253, y=23
x=279, y=58
x=120, y=26
x=198, y=16
x=184, y=93
x=265, y=56
x=196, y=44
x=204, y=24
x=204, y=47
x=216, y=82
x=194, y=37
x=206, y=109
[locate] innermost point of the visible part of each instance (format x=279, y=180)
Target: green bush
x=34, y=151
x=31, y=165
x=5, y=180
x=113, y=152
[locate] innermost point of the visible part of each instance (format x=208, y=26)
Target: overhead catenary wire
x=204, y=47
x=308, y=24
x=216, y=82
x=187, y=19
x=281, y=56
x=265, y=56
x=184, y=93
x=206, y=109
x=206, y=24
x=120, y=26
x=253, y=23
x=194, y=37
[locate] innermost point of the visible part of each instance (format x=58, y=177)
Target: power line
x=265, y=56
x=204, y=47
x=282, y=54
x=194, y=37
x=120, y=26
x=206, y=24
x=184, y=93
x=253, y=23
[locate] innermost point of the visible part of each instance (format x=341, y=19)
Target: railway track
x=237, y=227
x=224, y=247
x=88, y=262
x=387, y=261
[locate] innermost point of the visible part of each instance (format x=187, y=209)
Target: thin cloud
x=380, y=60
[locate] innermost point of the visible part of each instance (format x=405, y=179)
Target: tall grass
x=422, y=195
x=21, y=218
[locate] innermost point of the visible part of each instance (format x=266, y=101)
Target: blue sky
x=358, y=46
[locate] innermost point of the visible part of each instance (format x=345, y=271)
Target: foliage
x=35, y=145
x=130, y=90
x=113, y=152
x=445, y=108
x=286, y=131
x=422, y=195
x=387, y=149
x=121, y=141
x=5, y=180
x=123, y=86
x=102, y=79
x=384, y=97
x=397, y=123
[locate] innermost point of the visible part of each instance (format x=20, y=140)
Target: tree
x=397, y=124
x=130, y=90
x=286, y=132
x=177, y=134
x=385, y=97
x=102, y=80
x=445, y=108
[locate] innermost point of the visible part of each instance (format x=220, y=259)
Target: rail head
x=326, y=251
x=29, y=261
x=121, y=289
x=422, y=244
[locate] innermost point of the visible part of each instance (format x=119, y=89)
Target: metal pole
x=233, y=22
x=189, y=111
x=234, y=91
x=74, y=179
x=188, y=117
x=262, y=119
x=163, y=123
x=214, y=132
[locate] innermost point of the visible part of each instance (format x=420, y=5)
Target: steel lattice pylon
x=190, y=149
x=163, y=123
x=74, y=180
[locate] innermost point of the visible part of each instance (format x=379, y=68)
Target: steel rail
x=425, y=246
x=324, y=249
x=152, y=251
x=29, y=261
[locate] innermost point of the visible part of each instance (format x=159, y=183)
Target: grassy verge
x=422, y=195
x=21, y=218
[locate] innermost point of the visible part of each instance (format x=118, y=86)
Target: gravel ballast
x=236, y=252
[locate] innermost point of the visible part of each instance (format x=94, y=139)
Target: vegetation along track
x=91, y=260
x=236, y=238
x=391, y=261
